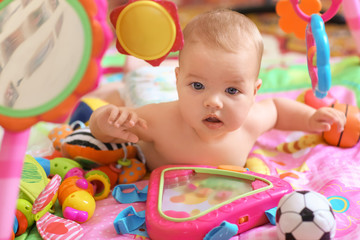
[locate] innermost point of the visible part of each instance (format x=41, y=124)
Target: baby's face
x=216, y=88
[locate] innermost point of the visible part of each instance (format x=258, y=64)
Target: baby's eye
x=232, y=90
x=197, y=85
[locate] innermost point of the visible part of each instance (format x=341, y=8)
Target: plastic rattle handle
x=320, y=74
x=75, y=215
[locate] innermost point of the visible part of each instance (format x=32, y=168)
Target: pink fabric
x=329, y=170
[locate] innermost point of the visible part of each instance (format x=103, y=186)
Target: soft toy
x=58, y=134
x=83, y=147
x=117, y=161
x=305, y=215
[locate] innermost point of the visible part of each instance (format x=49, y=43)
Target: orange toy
x=289, y=21
x=351, y=134
x=132, y=172
x=58, y=134
x=90, y=152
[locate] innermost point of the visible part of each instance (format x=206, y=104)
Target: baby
x=216, y=119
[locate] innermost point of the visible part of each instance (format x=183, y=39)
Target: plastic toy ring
x=335, y=4
x=146, y=20
x=317, y=44
x=102, y=182
x=124, y=162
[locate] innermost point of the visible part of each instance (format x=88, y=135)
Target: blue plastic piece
x=270, y=214
x=45, y=163
x=224, y=231
x=323, y=56
x=16, y=225
x=129, y=221
x=129, y=197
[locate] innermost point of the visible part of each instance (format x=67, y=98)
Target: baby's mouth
x=213, y=122
x=212, y=119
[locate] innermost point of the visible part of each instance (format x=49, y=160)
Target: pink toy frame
x=251, y=207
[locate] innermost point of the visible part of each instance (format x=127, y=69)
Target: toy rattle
x=317, y=44
x=76, y=199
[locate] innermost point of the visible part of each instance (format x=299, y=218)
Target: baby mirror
x=50, y=52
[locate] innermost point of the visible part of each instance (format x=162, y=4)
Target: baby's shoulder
x=158, y=110
x=264, y=106
x=262, y=116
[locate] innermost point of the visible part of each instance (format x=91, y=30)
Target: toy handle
x=317, y=40
x=335, y=5
x=12, y=154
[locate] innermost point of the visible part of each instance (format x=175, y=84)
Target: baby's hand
x=117, y=120
x=323, y=118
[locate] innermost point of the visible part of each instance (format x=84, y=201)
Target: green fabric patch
x=344, y=73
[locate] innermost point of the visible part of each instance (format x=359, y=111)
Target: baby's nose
x=213, y=101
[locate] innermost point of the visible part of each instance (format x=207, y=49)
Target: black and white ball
x=305, y=215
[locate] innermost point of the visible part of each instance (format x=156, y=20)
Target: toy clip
x=130, y=197
x=129, y=220
x=225, y=230
x=270, y=214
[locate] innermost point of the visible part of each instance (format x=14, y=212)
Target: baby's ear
x=257, y=86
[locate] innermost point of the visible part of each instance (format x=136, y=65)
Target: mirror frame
x=85, y=79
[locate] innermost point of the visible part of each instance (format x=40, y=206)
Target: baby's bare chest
x=181, y=149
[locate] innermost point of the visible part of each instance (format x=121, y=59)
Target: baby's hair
x=226, y=29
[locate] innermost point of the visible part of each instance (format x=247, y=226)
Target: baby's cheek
x=236, y=121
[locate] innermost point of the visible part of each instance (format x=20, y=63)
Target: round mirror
x=45, y=50
x=50, y=53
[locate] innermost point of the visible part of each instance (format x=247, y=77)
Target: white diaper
x=149, y=85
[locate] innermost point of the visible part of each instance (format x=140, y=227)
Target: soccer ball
x=305, y=215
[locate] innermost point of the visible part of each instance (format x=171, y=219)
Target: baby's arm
x=293, y=115
x=110, y=123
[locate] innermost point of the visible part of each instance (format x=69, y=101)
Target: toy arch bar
x=335, y=5
x=147, y=29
